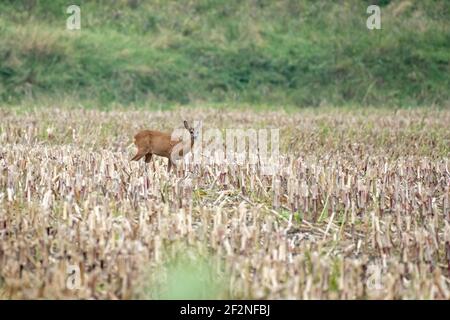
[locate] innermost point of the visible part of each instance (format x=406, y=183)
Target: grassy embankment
x=161, y=53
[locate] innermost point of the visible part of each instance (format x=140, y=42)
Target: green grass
x=300, y=53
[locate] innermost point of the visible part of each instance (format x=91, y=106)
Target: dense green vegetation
x=303, y=53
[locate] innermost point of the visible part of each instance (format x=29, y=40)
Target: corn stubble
x=359, y=209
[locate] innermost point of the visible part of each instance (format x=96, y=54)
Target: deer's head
x=193, y=132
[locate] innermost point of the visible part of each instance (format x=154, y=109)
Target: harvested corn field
x=358, y=208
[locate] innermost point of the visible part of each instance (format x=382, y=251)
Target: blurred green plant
x=186, y=272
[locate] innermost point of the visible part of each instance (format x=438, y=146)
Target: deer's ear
x=186, y=124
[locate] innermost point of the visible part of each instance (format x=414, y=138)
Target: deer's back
x=154, y=142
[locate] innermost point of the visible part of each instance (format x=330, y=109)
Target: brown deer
x=151, y=142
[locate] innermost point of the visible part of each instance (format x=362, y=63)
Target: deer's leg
x=138, y=156
x=148, y=157
x=170, y=164
x=174, y=166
